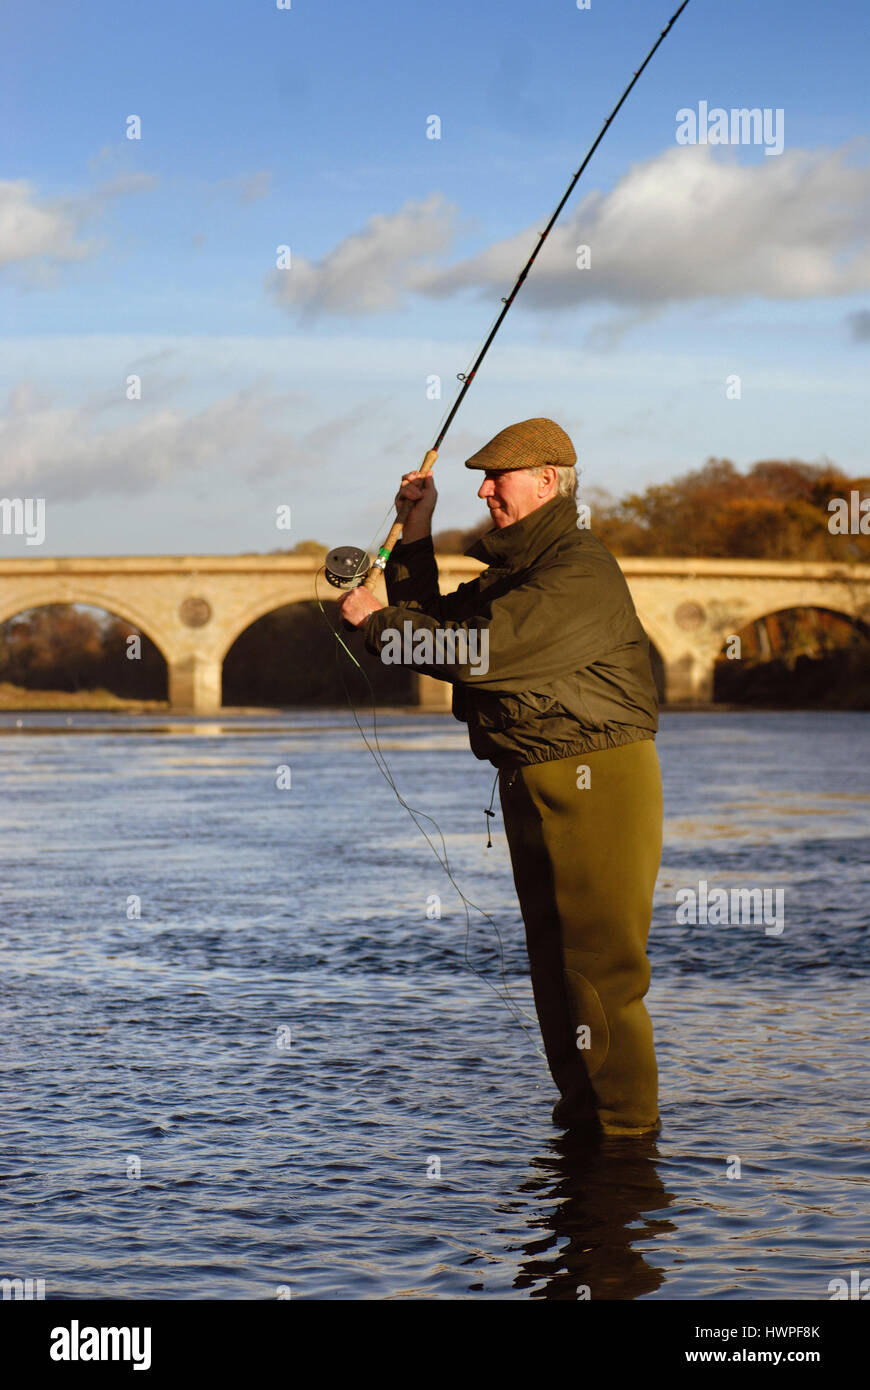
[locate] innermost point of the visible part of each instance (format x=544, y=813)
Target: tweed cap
x=530, y=444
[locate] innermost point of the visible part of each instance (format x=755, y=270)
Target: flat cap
x=530, y=444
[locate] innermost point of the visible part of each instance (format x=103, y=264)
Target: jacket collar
x=524, y=541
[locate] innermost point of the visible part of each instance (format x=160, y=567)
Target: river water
x=288, y=1076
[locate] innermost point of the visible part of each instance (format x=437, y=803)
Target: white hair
x=566, y=478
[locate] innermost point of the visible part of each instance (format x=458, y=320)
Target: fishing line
x=513, y=1006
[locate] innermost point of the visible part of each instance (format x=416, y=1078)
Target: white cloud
x=71, y=453
x=49, y=231
x=689, y=225
x=329, y=424
x=30, y=229
x=371, y=270
x=685, y=225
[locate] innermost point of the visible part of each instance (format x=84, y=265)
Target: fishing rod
x=346, y=566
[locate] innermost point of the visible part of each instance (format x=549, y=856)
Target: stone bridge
x=194, y=607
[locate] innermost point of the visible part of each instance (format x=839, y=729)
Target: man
x=565, y=708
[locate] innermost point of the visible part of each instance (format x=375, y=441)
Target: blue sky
x=307, y=127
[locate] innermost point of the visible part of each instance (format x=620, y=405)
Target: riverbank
x=17, y=697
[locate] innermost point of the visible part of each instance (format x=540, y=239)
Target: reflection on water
x=170, y=916
x=595, y=1201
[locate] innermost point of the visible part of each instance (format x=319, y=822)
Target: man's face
x=512, y=493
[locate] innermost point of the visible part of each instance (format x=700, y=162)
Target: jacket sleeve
x=517, y=632
x=412, y=582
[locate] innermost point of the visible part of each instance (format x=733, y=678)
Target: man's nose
x=486, y=487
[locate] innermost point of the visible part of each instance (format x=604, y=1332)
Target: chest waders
x=585, y=860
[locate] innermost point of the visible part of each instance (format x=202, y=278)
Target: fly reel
x=346, y=566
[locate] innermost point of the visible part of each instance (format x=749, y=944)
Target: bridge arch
x=788, y=656
x=232, y=629
x=67, y=657
x=47, y=596
x=859, y=621
x=289, y=656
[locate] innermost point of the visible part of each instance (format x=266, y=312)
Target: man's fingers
x=419, y=484
x=416, y=488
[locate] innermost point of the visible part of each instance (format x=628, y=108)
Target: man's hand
x=357, y=605
x=419, y=490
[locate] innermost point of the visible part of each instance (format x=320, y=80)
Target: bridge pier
x=689, y=680
x=432, y=694
x=195, y=684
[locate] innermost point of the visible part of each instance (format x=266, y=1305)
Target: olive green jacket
x=568, y=661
